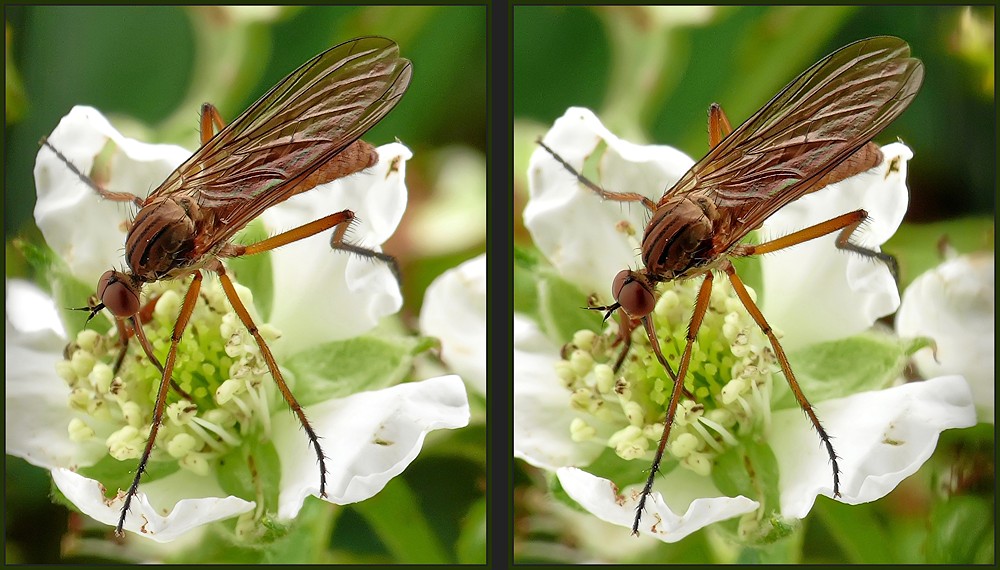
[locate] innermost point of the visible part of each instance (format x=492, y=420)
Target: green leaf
x=750, y=470
x=471, y=546
x=556, y=304
x=868, y=361
x=961, y=531
x=338, y=369
x=395, y=516
x=67, y=291
x=251, y=469
x=624, y=473
x=857, y=531
x=115, y=474
x=254, y=271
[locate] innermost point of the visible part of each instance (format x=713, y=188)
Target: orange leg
x=786, y=368
x=342, y=220
x=700, y=307
x=106, y=194
x=286, y=392
x=718, y=125
x=616, y=196
x=210, y=116
x=846, y=223
x=161, y=394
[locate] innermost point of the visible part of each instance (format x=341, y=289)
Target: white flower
x=454, y=310
x=319, y=296
x=953, y=304
x=567, y=430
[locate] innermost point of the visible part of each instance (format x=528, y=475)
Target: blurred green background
x=650, y=74
x=148, y=69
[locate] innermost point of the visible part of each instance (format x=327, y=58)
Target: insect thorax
x=161, y=237
x=678, y=239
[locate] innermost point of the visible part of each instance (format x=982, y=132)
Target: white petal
x=954, y=304
x=323, y=295
x=146, y=520
x=369, y=438
x=570, y=224
x=882, y=438
x=37, y=400
x=542, y=414
x=843, y=293
x=454, y=310
x=84, y=229
x=31, y=310
x=601, y=497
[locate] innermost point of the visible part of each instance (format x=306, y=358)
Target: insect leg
x=287, y=237
x=241, y=310
x=140, y=333
x=106, y=194
x=626, y=325
x=340, y=219
x=718, y=125
x=616, y=196
x=847, y=224
x=786, y=368
x=209, y=116
x=161, y=395
x=700, y=307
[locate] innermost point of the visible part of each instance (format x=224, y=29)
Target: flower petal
x=338, y=295
x=844, y=293
x=84, y=229
x=602, y=498
x=542, y=413
x=954, y=304
x=30, y=310
x=882, y=438
x=37, y=400
x=144, y=519
x=454, y=310
x=577, y=230
x=370, y=437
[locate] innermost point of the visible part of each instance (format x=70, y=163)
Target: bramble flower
x=743, y=448
x=454, y=311
x=228, y=445
x=953, y=304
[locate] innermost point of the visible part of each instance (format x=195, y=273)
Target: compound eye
x=633, y=295
x=116, y=295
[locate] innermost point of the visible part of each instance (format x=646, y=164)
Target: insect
x=302, y=133
x=813, y=133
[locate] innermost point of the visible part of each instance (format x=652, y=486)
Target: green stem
x=643, y=58
x=229, y=59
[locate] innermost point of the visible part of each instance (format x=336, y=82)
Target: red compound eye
x=118, y=296
x=633, y=294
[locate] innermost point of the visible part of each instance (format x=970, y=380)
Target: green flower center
x=224, y=394
x=730, y=376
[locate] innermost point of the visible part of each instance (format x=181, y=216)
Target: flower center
x=221, y=394
x=730, y=376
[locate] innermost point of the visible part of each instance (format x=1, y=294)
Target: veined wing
x=300, y=124
x=818, y=120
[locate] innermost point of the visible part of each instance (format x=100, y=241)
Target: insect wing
x=300, y=124
x=817, y=121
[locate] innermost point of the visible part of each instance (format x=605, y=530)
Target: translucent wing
x=300, y=124
x=817, y=121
